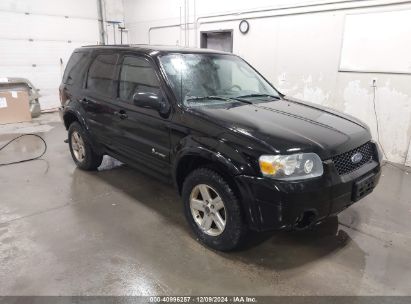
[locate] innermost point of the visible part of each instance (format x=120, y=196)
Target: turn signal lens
x=291, y=167
x=269, y=168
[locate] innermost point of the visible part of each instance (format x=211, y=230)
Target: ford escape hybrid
x=242, y=155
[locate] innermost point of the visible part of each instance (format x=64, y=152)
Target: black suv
x=242, y=155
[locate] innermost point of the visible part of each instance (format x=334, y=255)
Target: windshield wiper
x=258, y=95
x=211, y=97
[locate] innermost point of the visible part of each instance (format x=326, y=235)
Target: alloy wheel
x=77, y=144
x=208, y=210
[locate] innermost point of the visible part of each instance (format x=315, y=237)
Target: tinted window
x=137, y=76
x=74, y=65
x=102, y=74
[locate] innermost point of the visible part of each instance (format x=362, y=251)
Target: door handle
x=122, y=114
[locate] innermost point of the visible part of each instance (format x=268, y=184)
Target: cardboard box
x=14, y=106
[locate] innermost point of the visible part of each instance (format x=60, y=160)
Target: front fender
x=210, y=155
x=215, y=150
x=232, y=161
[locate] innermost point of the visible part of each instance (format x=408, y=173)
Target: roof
x=146, y=48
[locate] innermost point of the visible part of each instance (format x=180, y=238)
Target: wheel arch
x=68, y=118
x=71, y=116
x=190, y=162
x=194, y=159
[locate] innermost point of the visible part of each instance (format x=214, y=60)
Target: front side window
x=137, y=77
x=207, y=79
x=102, y=74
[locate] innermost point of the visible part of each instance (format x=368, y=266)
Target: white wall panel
x=167, y=36
x=32, y=44
x=377, y=42
x=28, y=53
x=38, y=61
x=79, y=8
x=58, y=28
x=13, y=25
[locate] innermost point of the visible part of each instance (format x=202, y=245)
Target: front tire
x=213, y=210
x=81, y=148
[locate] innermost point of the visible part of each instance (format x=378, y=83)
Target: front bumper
x=272, y=204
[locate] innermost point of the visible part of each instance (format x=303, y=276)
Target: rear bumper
x=271, y=204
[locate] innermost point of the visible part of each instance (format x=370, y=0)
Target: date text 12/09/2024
x=204, y=299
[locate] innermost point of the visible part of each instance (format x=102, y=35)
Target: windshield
x=210, y=79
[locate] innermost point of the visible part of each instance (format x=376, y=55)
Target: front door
x=145, y=135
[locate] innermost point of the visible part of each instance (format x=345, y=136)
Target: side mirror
x=150, y=100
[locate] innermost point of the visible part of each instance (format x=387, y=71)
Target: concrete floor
x=117, y=232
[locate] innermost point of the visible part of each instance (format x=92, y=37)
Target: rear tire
x=213, y=210
x=81, y=148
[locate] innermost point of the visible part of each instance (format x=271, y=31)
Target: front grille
x=344, y=164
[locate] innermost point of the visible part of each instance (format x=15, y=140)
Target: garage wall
x=297, y=46
x=113, y=11
x=38, y=36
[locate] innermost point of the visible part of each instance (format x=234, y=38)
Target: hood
x=289, y=126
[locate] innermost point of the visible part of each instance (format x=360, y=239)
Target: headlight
x=291, y=167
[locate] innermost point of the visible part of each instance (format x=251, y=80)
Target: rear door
x=144, y=131
x=99, y=97
x=71, y=86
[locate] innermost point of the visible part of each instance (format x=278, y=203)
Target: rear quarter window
x=102, y=75
x=74, y=67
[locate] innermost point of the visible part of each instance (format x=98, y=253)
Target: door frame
x=203, y=37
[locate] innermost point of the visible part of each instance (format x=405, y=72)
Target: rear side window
x=137, y=76
x=102, y=76
x=74, y=66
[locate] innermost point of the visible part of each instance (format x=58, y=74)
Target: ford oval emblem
x=356, y=158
